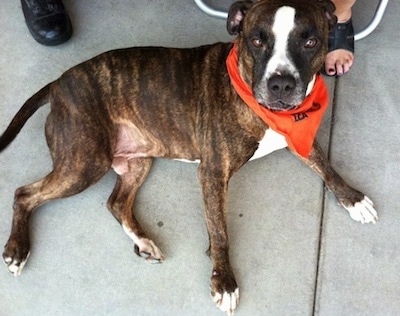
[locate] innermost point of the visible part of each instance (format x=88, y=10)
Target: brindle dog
x=123, y=108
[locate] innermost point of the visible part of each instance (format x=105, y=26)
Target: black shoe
x=47, y=21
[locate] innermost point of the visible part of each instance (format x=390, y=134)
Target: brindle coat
x=123, y=108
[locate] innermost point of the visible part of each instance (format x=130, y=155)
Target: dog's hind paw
x=16, y=253
x=146, y=248
x=363, y=211
x=14, y=266
x=14, y=261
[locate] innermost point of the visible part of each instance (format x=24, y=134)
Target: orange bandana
x=299, y=126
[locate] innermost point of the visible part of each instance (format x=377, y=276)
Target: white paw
x=147, y=249
x=227, y=302
x=15, y=266
x=363, y=211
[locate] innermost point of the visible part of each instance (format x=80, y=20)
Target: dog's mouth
x=281, y=106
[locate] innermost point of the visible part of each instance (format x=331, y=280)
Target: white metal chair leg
x=380, y=10
x=211, y=11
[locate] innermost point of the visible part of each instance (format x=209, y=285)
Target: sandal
x=341, y=36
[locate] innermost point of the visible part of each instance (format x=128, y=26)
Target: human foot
x=341, y=49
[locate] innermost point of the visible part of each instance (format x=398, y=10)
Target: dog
x=125, y=107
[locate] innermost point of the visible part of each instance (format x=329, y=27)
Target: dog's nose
x=281, y=86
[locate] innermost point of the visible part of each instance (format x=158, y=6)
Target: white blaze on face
x=282, y=26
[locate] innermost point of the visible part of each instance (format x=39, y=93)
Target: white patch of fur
x=130, y=233
x=282, y=26
x=271, y=141
x=15, y=267
x=147, y=248
x=310, y=85
x=363, y=211
x=189, y=161
x=227, y=302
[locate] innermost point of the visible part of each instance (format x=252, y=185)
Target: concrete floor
x=293, y=249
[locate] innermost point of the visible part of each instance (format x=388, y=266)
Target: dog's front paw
x=15, y=256
x=363, y=211
x=146, y=248
x=227, y=302
x=224, y=292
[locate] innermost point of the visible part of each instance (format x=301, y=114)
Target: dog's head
x=282, y=44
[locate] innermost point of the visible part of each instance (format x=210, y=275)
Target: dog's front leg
x=224, y=290
x=359, y=206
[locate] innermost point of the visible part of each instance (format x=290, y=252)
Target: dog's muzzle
x=280, y=92
x=281, y=89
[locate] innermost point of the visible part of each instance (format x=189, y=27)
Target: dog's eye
x=311, y=42
x=256, y=42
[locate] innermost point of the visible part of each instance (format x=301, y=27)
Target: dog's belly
x=130, y=144
x=271, y=142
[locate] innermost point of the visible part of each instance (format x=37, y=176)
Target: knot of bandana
x=299, y=126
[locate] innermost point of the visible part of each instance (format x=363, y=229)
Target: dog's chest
x=270, y=142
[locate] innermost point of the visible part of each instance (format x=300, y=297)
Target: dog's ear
x=236, y=13
x=329, y=11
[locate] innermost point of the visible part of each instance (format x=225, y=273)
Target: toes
x=224, y=290
x=338, y=62
x=339, y=69
x=363, y=211
x=330, y=68
x=15, y=264
x=342, y=68
x=226, y=301
x=15, y=255
x=146, y=249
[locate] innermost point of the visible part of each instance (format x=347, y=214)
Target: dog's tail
x=26, y=111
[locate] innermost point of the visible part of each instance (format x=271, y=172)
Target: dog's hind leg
x=63, y=181
x=121, y=203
